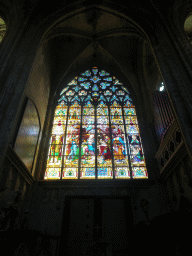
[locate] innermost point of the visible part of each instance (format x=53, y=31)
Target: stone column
x=14, y=73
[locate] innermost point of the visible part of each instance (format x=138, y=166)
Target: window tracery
x=95, y=132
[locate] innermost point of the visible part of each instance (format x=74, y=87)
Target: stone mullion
x=111, y=144
x=80, y=142
x=14, y=74
x=64, y=144
x=95, y=142
x=127, y=144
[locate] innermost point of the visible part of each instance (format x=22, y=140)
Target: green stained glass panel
x=70, y=173
x=139, y=173
x=122, y=173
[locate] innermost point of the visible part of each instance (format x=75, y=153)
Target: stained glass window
x=95, y=132
x=2, y=29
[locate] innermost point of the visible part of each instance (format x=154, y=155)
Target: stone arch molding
x=93, y=13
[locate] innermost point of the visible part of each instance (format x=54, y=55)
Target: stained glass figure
x=95, y=131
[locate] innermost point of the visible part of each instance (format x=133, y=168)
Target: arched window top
x=95, y=132
x=96, y=87
x=188, y=24
x=2, y=29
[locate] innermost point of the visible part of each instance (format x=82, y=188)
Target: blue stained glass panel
x=108, y=79
x=94, y=70
x=82, y=79
x=127, y=98
x=103, y=173
x=77, y=88
x=88, y=173
x=104, y=85
x=88, y=98
x=114, y=88
x=63, y=98
x=95, y=88
x=85, y=85
x=139, y=172
x=104, y=73
x=102, y=98
x=114, y=98
x=75, y=98
x=95, y=79
x=86, y=73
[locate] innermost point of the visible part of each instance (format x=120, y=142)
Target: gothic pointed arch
x=95, y=133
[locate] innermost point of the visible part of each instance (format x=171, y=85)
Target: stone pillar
x=179, y=85
x=14, y=73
